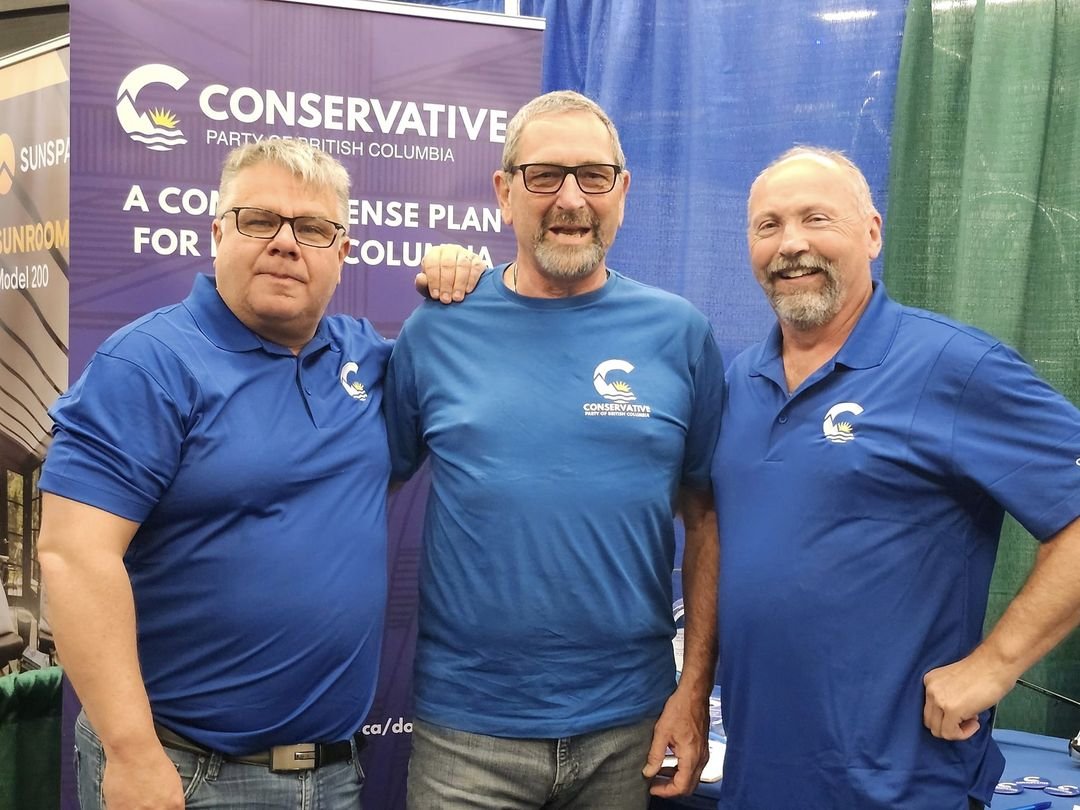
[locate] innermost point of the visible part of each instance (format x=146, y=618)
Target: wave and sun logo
x=617, y=391
x=354, y=388
x=840, y=432
x=157, y=129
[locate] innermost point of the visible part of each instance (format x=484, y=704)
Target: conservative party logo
x=618, y=390
x=840, y=432
x=157, y=129
x=7, y=163
x=354, y=388
x=618, y=393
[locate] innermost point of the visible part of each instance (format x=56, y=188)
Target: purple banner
x=414, y=105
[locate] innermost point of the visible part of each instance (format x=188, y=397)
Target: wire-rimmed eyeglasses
x=258, y=223
x=548, y=178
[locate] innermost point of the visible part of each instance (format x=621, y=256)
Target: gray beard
x=809, y=309
x=569, y=262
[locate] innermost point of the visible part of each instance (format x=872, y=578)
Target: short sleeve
x=708, y=381
x=1019, y=440
x=401, y=409
x=117, y=439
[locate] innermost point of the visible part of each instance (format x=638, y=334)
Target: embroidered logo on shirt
x=354, y=389
x=616, y=391
x=840, y=432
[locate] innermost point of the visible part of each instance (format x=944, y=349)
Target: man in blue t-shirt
x=869, y=452
x=213, y=529
x=565, y=409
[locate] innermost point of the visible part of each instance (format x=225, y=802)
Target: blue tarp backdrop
x=705, y=93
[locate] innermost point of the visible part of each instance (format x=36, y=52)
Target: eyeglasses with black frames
x=258, y=223
x=548, y=178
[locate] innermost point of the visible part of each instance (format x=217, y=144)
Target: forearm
x=701, y=558
x=1045, y=610
x=92, y=614
x=682, y=726
x=93, y=620
x=1047, y=607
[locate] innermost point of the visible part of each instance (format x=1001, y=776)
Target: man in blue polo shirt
x=214, y=520
x=869, y=452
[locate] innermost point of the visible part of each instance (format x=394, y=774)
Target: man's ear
x=624, y=178
x=502, y=181
x=874, y=236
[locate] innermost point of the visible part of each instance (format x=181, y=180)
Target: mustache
x=810, y=262
x=570, y=219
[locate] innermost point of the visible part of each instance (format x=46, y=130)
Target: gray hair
x=858, y=182
x=557, y=101
x=311, y=165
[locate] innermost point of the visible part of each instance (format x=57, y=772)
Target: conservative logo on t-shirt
x=609, y=380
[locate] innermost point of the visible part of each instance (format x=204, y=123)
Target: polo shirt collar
x=865, y=347
x=227, y=332
x=873, y=335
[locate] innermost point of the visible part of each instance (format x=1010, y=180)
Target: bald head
x=830, y=158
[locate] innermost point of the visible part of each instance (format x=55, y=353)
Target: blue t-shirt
x=259, y=480
x=859, y=522
x=559, y=432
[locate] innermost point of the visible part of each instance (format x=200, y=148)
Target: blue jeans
x=212, y=783
x=452, y=769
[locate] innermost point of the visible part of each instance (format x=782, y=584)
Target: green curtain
x=984, y=223
x=30, y=714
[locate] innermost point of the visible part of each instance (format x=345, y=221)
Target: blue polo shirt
x=859, y=521
x=259, y=480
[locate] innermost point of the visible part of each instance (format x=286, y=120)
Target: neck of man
x=526, y=278
x=805, y=350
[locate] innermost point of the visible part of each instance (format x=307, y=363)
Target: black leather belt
x=279, y=759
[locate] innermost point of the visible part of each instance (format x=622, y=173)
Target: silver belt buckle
x=300, y=757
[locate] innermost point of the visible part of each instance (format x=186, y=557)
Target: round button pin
x=1033, y=783
x=1063, y=790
